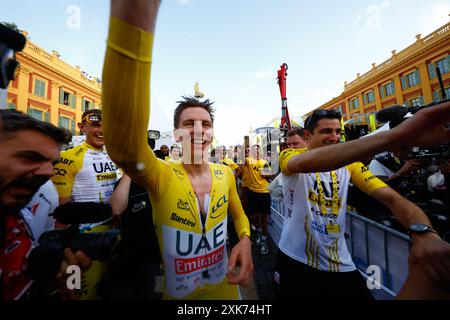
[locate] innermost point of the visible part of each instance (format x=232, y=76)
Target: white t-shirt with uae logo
x=312, y=233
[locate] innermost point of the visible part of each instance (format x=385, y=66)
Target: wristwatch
x=420, y=229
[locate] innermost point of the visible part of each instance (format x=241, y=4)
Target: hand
x=241, y=252
x=433, y=255
x=79, y=259
x=411, y=165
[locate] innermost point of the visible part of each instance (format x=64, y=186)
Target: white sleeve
x=379, y=170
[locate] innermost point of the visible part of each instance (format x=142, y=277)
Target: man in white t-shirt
x=313, y=261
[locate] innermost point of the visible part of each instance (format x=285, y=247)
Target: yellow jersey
x=230, y=163
x=195, y=257
x=254, y=180
x=85, y=174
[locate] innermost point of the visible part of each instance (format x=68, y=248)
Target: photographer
x=29, y=150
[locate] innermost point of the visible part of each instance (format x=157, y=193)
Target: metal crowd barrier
x=370, y=244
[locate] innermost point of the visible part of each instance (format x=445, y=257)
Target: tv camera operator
x=30, y=148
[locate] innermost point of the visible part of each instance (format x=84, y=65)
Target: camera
x=45, y=260
x=10, y=42
x=397, y=114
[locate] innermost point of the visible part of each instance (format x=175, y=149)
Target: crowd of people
x=190, y=214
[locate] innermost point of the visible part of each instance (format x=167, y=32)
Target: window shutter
x=448, y=65
x=403, y=80
x=46, y=117
x=83, y=107
x=382, y=92
x=36, y=87
x=60, y=121
x=431, y=71
x=72, y=125
x=392, y=87
x=73, y=101
x=61, y=96
x=29, y=111
x=417, y=73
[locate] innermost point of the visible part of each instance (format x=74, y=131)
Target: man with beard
x=29, y=149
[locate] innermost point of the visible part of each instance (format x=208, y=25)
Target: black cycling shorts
x=259, y=202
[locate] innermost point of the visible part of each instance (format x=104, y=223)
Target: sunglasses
x=322, y=113
x=92, y=118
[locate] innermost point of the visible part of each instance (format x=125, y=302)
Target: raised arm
x=126, y=87
x=425, y=128
x=139, y=13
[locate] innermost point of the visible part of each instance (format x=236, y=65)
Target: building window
x=87, y=105
x=354, y=103
x=442, y=64
x=64, y=122
x=387, y=90
x=410, y=80
x=368, y=97
x=37, y=114
x=416, y=102
x=39, y=88
x=67, y=123
x=437, y=95
x=11, y=106
x=67, y=99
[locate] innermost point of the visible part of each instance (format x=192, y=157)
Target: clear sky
x=233, y=48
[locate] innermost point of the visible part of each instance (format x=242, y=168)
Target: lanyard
x=334, y=194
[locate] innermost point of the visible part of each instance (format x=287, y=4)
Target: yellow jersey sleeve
x=284, y=159
x=126, y=113
x=65, y=171
x=241, y=223
x=230, y=163
x=363, y=178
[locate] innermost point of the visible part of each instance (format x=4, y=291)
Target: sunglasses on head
x=92, y=118
x=322, y=113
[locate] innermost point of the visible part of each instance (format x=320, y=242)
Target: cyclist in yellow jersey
x=220, y=157
x=258, y=171
x=244, y=180
x=312, y=252
x=190, y=200
x=87, y=174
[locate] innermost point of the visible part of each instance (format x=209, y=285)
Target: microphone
x=11, y=38
x=394, y=115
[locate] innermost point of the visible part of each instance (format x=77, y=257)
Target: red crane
x=285, y=123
